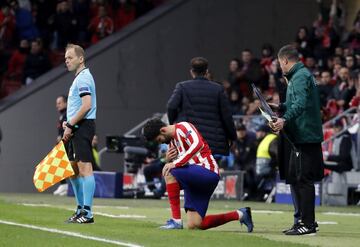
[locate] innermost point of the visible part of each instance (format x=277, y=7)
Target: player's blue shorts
x=198, y=184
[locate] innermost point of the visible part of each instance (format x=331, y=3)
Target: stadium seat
x=9, y=86
x=56, y=57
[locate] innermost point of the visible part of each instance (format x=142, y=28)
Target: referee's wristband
x=72, y=127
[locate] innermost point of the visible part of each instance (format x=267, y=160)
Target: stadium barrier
x=230, y=186
x=108, y=185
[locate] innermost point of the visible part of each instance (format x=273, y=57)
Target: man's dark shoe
x=72, y=218
x=302, y=229
x=83, y=219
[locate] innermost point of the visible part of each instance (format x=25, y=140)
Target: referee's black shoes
x=72, y=218
x=83, y=219
x=302, y=229
x=291, y=228
x=297, y=225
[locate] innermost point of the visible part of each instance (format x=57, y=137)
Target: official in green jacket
x=302, y=125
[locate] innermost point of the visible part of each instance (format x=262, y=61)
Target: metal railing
x=352, y=116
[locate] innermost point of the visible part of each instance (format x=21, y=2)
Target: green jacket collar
x=294, y=68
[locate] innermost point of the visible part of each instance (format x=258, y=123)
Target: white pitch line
x=267, y=212
x=71, y=234
x=35, y=205
x=120, y=216
x=341, y=214
x=49, y=205
x=117, y=207
x=327, y=222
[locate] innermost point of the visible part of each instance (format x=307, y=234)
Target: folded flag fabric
x=53, y=168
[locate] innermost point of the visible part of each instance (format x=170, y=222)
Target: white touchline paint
x=35, y=205
x=341, y=214
x=267, y=212
x=49, y=205
x=106, y=206
x=120, y=216
x=71, y=234
x=327, y=222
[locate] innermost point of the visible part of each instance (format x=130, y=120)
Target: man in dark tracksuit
x=204, y=104
x=301, y=122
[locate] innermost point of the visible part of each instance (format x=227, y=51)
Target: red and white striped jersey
x=192, y=148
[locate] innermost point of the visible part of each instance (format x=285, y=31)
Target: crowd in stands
x=34, y=33
x=327, y=49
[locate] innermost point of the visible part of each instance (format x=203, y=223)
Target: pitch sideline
x=71, y=234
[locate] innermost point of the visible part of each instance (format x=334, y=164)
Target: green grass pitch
x=134, y=222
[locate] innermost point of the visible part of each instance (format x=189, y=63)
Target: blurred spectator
x=25, y=4
x=227, y=88
x=58, y=22
x=100, y=26
x=96, y=160
x=81, y=10
x=279, y=79
x=329, y=63
x=43, y=13
x=64, y=25
x=245, y=102
x=267, y=56
x=250, y=72
x=310, y=64
x=234, y=67
x=4, y=58
x=341, y=83
x=339, y=159
x=350, y=90
x=7, y=24
x=17, y=61
x=125, y=13
x=253, y=107
x=353, y=38
x=266, y=161
x=351, y=63
x=36, y=63
x=153, y=172
x=96, y=4
x=339, y=52
x=235, y=103
x=269, y=92
x=61, y=105
x=244, y=150
x=335, y=72
x=324, y=87
x=25, y=25
x=303, y=42
x=325, y=36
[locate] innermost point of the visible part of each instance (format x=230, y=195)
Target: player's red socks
x=215, y=220
x=173, y=191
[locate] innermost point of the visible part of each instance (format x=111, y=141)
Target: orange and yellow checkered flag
x=53, y=168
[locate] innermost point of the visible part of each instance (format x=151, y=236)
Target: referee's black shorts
x=80, y=148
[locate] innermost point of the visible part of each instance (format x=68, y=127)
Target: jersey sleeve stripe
x=195, y=141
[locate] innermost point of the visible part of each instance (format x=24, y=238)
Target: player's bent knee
x=193, y=225
x=194, y=219
x=170, y=179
